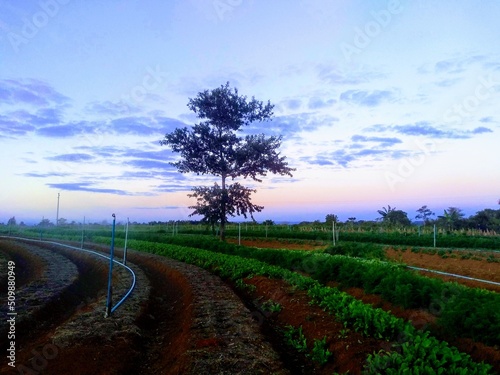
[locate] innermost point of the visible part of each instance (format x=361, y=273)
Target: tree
x=214, y=147
x=12, y=221
x=424, y=214
x=398, y=217
x=391, y=216
x=208, y=200
x=384, y=212
x=452, y=218
x=331, y=218
x=45, y=223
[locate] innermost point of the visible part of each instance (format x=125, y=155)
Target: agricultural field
x=252, y=305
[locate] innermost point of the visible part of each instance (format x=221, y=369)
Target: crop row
x=409, y=238
x=461, y=311
x=361, y=317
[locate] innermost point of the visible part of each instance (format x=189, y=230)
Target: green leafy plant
x=271, y=306
x=320, y=353
x=241, y=285
x=296, y=339
x=343, y=333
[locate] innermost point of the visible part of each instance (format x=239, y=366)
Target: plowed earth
x=484, y=266
x=179, y=320
x=480, y=265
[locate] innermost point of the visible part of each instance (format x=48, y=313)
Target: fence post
x=333, y=231
x=110, y=289
x=83, y=232
x=125, y=247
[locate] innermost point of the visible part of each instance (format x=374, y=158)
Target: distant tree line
x=452, y=218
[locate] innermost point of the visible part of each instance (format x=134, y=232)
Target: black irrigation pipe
x=91, y=252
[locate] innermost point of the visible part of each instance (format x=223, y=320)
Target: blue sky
x=379, y=103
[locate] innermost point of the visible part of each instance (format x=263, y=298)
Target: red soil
x=276, y=244
x=349, y=348
x=476, y=268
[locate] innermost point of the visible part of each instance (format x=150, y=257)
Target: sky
x=378, y=102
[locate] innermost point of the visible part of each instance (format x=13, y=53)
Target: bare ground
x=180, y=320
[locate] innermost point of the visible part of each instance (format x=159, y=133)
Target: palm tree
x=384, y=212
x=452, y=217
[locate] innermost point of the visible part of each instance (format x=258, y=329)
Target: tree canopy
x=391, y=216
x=215, y=146
x=424, y=214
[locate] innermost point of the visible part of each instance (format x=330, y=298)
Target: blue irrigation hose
x=94, y=253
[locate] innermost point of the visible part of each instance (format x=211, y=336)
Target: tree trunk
x=223, y=210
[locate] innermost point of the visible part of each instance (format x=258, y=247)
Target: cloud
x=74, y=158
x=149, y=164
x=337, y=157
x=481, y=130
x=60, y=131
x=456, y=65
x=29, y=91
x=290, y=125
x=159, y=208
x=137, y=126
x=424, y=128
x=21, y=122
x=103, y=151
x=134, y=126
x=336, y=76
x=10, y=127
x=367, y=98
x=113, y=109
x=145, y=126
x=361, y=151
x=168, y=124
x=292, y=104
x=45, y=175
x=171, y=188
x=164, y=154
x=448, y=82
x=318, y=103
x=87, y=186
x=387, y=141
x=486, y=119
x=318, y=160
